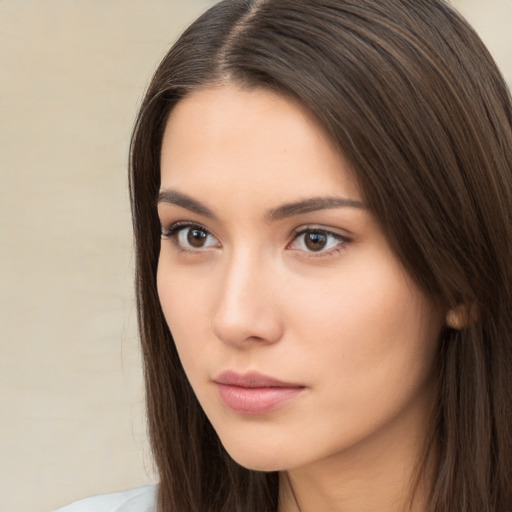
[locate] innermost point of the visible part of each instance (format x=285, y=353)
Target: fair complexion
x=271, y=264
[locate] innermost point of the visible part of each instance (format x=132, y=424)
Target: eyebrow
x=180, y=199
x=286, y=210
x=311, y=205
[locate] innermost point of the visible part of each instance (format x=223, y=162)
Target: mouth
x=253, y=393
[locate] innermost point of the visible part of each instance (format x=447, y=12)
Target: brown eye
x=196, y=237
x=190, y=237
x=315, y=241
x=320, y=241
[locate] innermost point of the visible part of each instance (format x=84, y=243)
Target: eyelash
x=339, y=247
x=172, y=232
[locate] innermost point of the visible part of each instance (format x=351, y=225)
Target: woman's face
x=300, y=332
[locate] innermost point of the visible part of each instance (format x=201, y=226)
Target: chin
x=259, y=462
x=255, y=457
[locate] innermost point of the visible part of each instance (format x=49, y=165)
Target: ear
x=461, y=316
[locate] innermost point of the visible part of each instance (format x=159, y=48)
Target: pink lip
x=253, y=393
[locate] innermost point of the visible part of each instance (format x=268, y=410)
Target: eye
x=190, y=236
x=317, y=240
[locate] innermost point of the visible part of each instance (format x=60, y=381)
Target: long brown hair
x=417, y=105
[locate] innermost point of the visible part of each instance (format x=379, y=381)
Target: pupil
x=196, y=237
x=316, y=241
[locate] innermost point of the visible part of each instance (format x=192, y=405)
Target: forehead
x=233, y=139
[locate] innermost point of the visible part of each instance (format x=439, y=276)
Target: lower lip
x=256, y=400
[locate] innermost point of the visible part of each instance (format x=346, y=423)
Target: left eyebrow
x=311, y=205
x=179, y=199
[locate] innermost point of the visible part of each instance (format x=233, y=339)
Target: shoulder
x=139, y=499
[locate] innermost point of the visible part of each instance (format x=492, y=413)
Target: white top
x=139, y=499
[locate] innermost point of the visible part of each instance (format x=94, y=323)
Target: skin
x=345, y=322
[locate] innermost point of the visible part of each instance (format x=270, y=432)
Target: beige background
x=72, y=75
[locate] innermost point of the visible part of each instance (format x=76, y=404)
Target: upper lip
x=252, y=380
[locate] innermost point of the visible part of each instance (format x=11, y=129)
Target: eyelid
x=302, y=230
x=174, y=227
x=171, y=232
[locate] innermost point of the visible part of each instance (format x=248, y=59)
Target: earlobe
x=461, y=316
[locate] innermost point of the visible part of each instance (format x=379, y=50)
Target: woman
x=322, y=198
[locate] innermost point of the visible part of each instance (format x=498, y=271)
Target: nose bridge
x=246, y=304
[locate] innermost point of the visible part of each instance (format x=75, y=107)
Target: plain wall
x=72, y=73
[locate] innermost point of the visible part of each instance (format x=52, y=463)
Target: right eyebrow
x=179, y=199
x=311, y=205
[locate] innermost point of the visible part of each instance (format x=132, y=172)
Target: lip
x=254, y=393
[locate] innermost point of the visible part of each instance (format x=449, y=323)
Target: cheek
x=366, y=327
x=371, y=344
x=185, y=300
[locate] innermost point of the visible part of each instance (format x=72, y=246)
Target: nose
x=247, y=310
